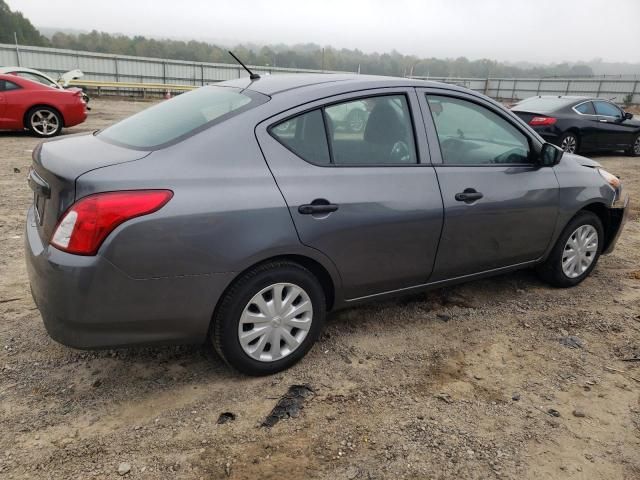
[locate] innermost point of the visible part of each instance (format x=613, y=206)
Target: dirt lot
x=467, y=382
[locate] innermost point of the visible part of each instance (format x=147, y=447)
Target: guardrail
x=105, y=67
x=99, y=88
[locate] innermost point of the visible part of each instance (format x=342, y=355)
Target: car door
x=500, y=207
x=3, y=102
x=11, y=97
x=583, y=116
x=614, y=133
x=368, y=197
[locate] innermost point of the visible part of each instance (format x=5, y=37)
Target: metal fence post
x=15, y=37
x=513, y=91
x=498, y=88
x=539, y=85
x=566, y=92
x=164, y=72
x=599, y=88
x=635, y=89
x=115, y=64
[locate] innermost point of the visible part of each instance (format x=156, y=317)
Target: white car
x=38, y=76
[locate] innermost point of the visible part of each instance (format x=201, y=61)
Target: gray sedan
x=242, y=214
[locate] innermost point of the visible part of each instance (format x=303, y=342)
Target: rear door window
x=305, y=136
x=372, y=131
x=172, y=120
x=585, y=108
x=367, y=131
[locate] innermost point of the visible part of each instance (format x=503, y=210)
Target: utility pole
x=15, y=38
x=322, y=59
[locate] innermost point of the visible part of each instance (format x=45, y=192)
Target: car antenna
x=252, y=76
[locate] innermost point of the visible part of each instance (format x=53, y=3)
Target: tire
x=569, y=142
x=634, y=150
x=552, y=271
x=44, y=122
x=237, y=306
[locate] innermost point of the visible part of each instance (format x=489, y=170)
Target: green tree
x=15, y=23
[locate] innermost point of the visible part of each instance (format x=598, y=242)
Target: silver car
x=241, y=213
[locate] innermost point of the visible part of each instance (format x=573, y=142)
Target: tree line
x=309, y=56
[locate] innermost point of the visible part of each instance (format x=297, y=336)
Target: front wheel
x=575, y=253
x=634, y=150
x=569, y=142
x=44, y=122
x=269, y=318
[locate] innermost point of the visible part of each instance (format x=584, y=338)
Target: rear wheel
x=575, y=253
x=634, y=150
x=569, y=142
x=269, y=318
x=44, y=121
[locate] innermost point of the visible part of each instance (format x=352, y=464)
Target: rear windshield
x=542, y=105
x=180, y=117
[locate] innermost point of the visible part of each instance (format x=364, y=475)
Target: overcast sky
x=514, y=30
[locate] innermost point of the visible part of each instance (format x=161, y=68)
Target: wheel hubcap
x=580, y=251
x=569, y=144
x=44, y=122
x=275, y=322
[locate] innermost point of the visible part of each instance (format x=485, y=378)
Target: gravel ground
x=466, y=382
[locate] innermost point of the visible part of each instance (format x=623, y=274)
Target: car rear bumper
x=75, y=115
x=550, y=134
x=618, y=214
x=87, y=302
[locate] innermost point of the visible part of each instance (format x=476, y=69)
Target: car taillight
x=537, y=121
x=87, y=223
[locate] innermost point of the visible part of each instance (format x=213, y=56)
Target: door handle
x=468, y=196
x=603, y=120
x=318, y=206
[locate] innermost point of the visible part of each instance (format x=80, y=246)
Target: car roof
x=25, y=82
x=279, y=83
x=567, y=98
x=22, y=69
x=7, y=76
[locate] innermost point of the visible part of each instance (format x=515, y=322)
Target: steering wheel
x=400, y=153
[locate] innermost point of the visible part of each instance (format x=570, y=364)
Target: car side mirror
x=550, y=155
x=627, y=116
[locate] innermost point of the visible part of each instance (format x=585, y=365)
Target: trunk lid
x=527, y=116
x=56, y=166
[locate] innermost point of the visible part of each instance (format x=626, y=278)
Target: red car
x=41, y=109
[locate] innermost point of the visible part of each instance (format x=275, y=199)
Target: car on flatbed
x=240, y=214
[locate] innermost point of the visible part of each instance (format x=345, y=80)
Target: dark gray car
x=241, y=213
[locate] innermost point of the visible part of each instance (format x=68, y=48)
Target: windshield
x=182, y=116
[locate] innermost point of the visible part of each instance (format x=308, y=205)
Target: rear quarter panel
x=72, y=111
x=226, y=214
